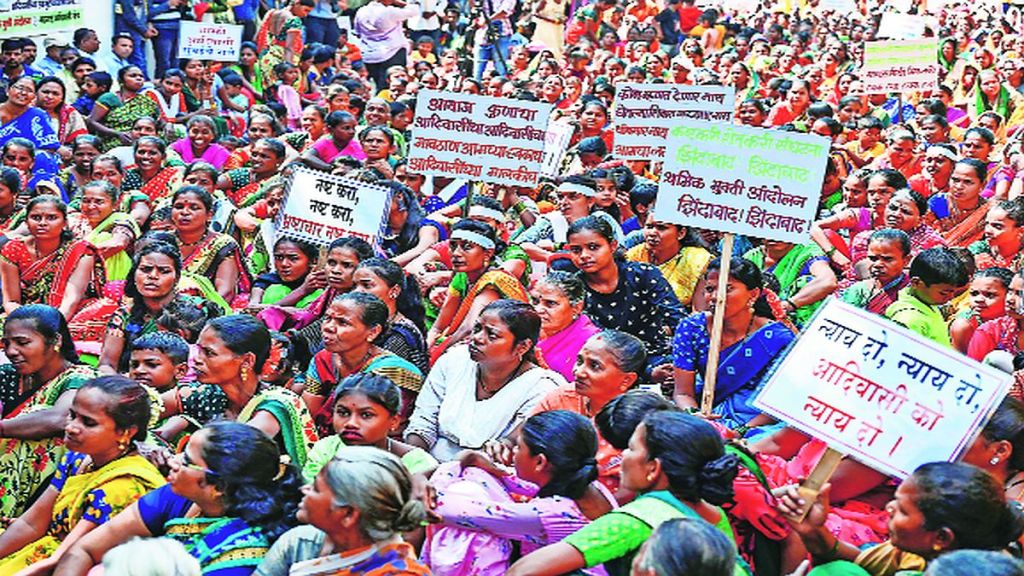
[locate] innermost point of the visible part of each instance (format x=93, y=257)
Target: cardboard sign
x=750, y=181
x=900, y=66
x=34, y=17
x=220, y=42
x=896, y=26
x=556, y=141
x=319, y=208
x=876, y=391
x=497, y=140
x=643, y=113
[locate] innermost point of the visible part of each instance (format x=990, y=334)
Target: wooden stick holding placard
x=821, y=473
x=711, y=373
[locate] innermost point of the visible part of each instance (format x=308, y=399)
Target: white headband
x=474, y=237
x=942, y=151
x=486, y=212
x=578, y=188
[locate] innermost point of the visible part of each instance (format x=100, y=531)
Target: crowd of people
x=508, y=379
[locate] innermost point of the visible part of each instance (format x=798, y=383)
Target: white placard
x=497, y=140
x=319, y=208
x=740, y=179
x=896, y=26
x=900, y=66
x=876, y=391
x=556, y=141
x=642, y=114
x=219, y=42
x=35, y=17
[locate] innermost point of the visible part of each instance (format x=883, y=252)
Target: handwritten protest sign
x=556, y=141
x=751, y=181
x=31, y=17
x=220, y=42
x=643, y=112
x=319, y=208
x=496, y=140
x=878, y=392
x=900, y=66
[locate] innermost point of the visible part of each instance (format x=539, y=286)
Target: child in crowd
x=937, y=275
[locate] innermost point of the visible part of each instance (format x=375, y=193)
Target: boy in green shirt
x=937, y=275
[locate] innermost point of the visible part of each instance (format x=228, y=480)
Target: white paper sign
x=220, y=42
x=319, y=208
x=497, y=140
x=897, y=26
x=556, y=141
x=642, y=114
x=900, y=66
x=876, y=391
x=750, y=181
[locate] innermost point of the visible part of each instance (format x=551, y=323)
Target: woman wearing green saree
x=804, y=275
x=111, y=232
x=114, y=114
x=36, y=388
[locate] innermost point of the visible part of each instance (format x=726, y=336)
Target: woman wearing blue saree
x=752, y=341
x=19, y=117
x=228, y=498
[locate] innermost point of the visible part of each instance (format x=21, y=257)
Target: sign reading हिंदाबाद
x=739, y=179
x=497, y=140
x=643, y=113
x=319, y=208
x=880, y=393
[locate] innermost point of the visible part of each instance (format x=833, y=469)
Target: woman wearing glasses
x=228, y=498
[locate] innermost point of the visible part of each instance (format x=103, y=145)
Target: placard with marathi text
x=207, y=41
x=642, y=114
x=740, y=179
x=876, y=391
x=498, y=140
x=900, y=66
x=319, y=208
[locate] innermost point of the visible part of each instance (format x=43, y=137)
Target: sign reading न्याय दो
x=497, y=140
x=739, y=179
x=643, y=113
x=876, y=391
x=219, y=42
x=31, y=17
x=319, y=208
x=900, y=66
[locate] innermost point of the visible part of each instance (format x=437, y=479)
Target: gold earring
x=245, y=373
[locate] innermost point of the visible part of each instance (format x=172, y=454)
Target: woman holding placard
x=751, y=342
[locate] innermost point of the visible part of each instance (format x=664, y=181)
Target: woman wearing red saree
x=204, y=252
x=150, y=175
x=49, y=267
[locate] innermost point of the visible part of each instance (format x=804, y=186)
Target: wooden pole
x=711, y=373
x=822, y=471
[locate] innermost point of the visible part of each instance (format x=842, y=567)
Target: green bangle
x=519, y=207
x=835, y=548
x=830, y=251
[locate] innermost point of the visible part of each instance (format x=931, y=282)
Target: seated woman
x=678, y=466
x=941, y=507
x=937, y=166
x=38, y=387
x=352, y=323
x=20, y=118
x=677, y=251
x=199, y=145
x=880, y=186
x=554, y=467
x=900, y=154
x=339, y=141
x=49, y=266
x=686, y=546
x=986, y=301
x=109, y=168
x=992, y=94
x=229, y=497
x=294, y=283
x=10, y=188
x=408, y=233
x=113, y=114
x=804, y=275
x=204, y=252
x=1003, y=333
x=905, y=211
x=356, y=509
x=102, y=225
x=960, y=214
x=628, y=296
x=100, y=475
x=152, y=175
x=474, y=285
x=84, y=149
x=482, y=391
x=608, y=365
x=1002, y=244
x=400, y=293
x=751, y=343
x=357, y=397
x=243, y=185
x=231, y=354
x=888, y=257
x=564, y=328
x=261, y=125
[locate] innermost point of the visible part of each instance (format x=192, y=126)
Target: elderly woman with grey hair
x=356, y=509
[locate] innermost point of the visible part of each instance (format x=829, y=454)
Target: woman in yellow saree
x=109, y=231
x=99, y=476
